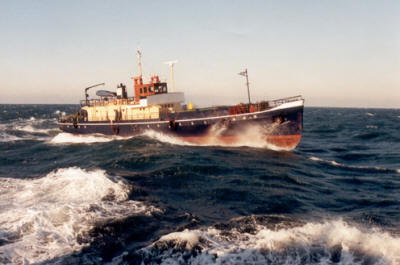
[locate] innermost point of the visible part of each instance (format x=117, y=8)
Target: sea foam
x=253, y=136
x=328, y=242
x=68, y=138
x=337, y=164
x=41, y=219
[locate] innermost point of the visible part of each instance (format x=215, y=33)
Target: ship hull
x=280, y=126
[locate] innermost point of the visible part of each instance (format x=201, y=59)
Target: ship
x=276, y=123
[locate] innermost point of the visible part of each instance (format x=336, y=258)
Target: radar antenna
x=171, y=65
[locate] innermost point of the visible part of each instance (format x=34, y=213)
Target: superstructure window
x=145, y=90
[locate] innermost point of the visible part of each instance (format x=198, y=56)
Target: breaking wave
x=8, y=137
x=252, y=137
x=334, y=163
x=31, y=129
x=67, y=138
x=5, y=137
x=165, y=138
x=44, y=218
x=274, y=240
x=27, y=129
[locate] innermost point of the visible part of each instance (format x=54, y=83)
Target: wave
x=275, y=240
x=35, y=120
x=5, y=137
x=27, y=129
x=31, y=129
x=44, y=218
x=68, y=138
x=6, y=134
x=334, y=163
x=165, y=138
x=252, y=137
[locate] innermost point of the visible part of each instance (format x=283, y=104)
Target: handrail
x=103, y=102
x=277, y=102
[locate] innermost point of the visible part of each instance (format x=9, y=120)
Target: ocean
x=152, y=199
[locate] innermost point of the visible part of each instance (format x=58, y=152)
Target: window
x=141, y=90
x=145, y=90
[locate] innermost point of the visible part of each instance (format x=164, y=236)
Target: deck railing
x=104, y=102
x=277, y=102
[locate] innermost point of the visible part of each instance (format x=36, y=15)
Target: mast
x=139, y=55
x=244, y=73
x=171, y=65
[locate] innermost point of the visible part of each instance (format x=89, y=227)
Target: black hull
x=280, y=126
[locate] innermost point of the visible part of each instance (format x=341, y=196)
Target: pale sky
x=334, y=53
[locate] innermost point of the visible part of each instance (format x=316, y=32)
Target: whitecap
x=41, y=219
x=68, y=138
x=334, y=163
x=5, y=137
x=31, y=129
x=310, y=243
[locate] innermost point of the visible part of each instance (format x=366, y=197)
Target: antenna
x=139, y=55
x=171, y=64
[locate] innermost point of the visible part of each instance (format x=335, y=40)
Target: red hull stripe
x=282, y=141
